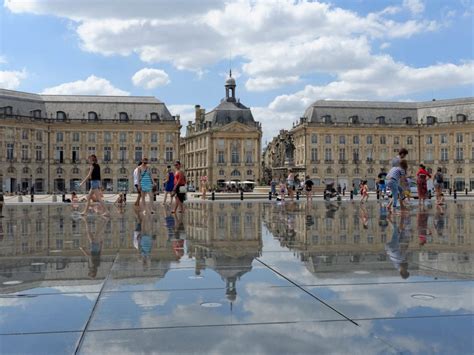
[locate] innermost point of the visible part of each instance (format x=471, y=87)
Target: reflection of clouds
x=150, y=300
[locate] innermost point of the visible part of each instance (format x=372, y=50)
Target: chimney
x=197, y=109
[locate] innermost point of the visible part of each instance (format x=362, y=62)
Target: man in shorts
x=136, y=182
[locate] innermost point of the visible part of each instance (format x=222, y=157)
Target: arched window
x=36, y=113
x=408, y=120
x=461, y=117
x=39, y=171
x=59, y=171
x=107, y=170
x=235, y=173
x=25, y=170
x=327, y=119
x=75, y=170
x=356, y=171
x=315, y=170
x=249, y=172
x=329, y=170
x=459, y=170
x=343, y=171
x=221, y=172
x=122, y=171
x=431, y=120
x=7, y=110
x=354, y=119
x=123, y=116
x=60, y=115
x=154, y=116
x=11, y=170
x=92, y=116
x=381, y=120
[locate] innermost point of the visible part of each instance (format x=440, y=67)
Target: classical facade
x=223, y=144
x=45, y=139
x=347, y=141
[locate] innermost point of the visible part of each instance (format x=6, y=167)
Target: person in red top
x=422, y=177
x=179, y=187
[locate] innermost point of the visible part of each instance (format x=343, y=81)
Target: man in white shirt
x=136, y=182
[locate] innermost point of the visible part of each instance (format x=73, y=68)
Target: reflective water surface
x=240, y=277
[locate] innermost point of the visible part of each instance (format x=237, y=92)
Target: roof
x=228, y=111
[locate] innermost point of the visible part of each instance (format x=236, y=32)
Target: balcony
x=328, y=161
x=343, y=161
x=356, y=161
x=370, y=160
x=384, y=162
x=315, y=161
x=25, y=160
x=459, y=161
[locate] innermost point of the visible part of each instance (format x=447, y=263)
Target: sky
x=284, y=54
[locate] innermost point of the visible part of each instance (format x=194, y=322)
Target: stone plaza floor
x=238, y=278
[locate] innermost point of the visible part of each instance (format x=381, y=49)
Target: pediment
x=236, y=127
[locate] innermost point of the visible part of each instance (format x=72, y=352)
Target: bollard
x=352, y=194
x=213, y=196
x=297, y=196
x=154, y=197
x=64, y=198
x=455, y=195
x=124, y=197
x=20, y=198
x=241, y=195
x=270, y=196
x=466, y=191
x=378, y=194
x=32, y=198
x=450, y=191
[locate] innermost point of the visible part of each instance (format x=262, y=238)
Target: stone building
x=347, y=141
x=223, y=144
x=45, y=139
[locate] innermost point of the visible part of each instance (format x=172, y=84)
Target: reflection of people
x=396, y=249
x=120, y=202
x=364, y=216
x=95, y=248
x=2, y=202
x=145, y=239
x=422, y=224
x=94, y=178
x=178, y=241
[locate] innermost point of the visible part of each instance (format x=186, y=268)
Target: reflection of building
x=336, y=239
x=45, y=139
x=223, y=144
x=351, y=140
x=225, y=238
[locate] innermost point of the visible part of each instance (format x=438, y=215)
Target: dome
x=230, y=81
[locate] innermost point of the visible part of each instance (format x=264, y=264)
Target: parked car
x=191, y=188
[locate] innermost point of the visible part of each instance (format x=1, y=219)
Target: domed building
x=223, y=144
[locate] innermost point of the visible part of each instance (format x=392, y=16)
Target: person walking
x=179, y=188
x=422, y=177
x=364, y=191
x=146, y=183
x=308, y=184
x=394, y=177
x=438, y=185
x=169, y=184
x=381, y=182
x=94, y=193
x=136, y=183
x=291, y=184
x=273, y=185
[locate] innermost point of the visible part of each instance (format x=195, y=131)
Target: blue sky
x=285, y=54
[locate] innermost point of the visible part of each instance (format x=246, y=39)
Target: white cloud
x=149, y=78
x=385, y=45
x=93, y=85
x=3, y=59
x=11, y=79
x=414, y=6
x=269, y=82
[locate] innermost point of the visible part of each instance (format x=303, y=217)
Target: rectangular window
x=369, y=139
x=75, y=154
x=169, y=154
x=169, y=138
x=220, y=157
x=138, y=154
x=443, y=138
x=409, y=140
x=383, y=140
x=459, y=137
x=342, y=154
x=107, y=137
x=59, y=154
x=154, y=154
x=355, y=154
x=123, y=153
x=314, y=138
x=459, y=153
x=235, y=156
x=24, y=152
x=123, y=137
x=328, y=154
x=327, y=139
x=138, y=137
x=10, y=148
x=314, y=154
x=249, y=144
x=24, y=134
x=91, y=137
x=59, y=136
x=76, y=136
x=429, y=154
x=342, y=139
x=154, y=137
x=355, y=139
x=39, y=153
x=90, y=151
x=444, y=154
x=107, y=153
x=248, y=157
x=39, y=136
x=220, y=143
x=429, y=139
x=396, y=140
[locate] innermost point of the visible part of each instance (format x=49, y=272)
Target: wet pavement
x=238, y=277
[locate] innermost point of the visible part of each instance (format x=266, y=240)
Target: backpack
x=439, y=178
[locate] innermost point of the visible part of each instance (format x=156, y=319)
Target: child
x=364, y=191
x=282, y=190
